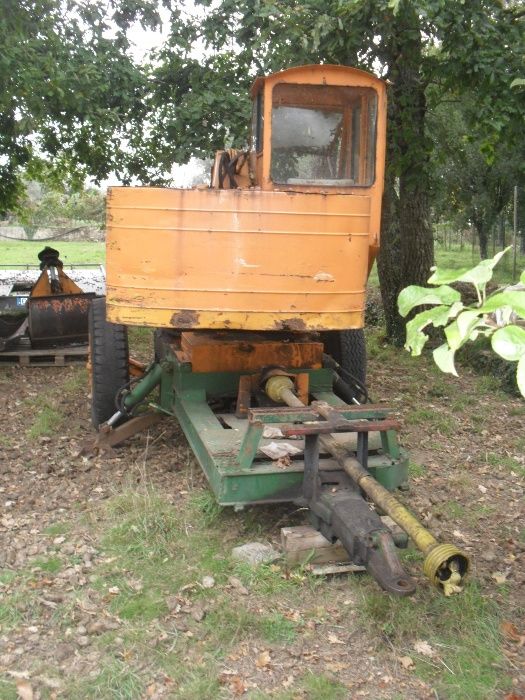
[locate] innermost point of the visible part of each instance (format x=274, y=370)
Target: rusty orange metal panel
x=228, y=351
x=237, y=259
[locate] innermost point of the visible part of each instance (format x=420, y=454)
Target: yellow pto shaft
x=445, y=565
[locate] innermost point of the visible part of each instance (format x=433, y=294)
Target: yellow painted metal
x=237, y=259
x=269, y=257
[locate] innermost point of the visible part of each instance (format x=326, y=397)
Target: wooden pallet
x=24, y=356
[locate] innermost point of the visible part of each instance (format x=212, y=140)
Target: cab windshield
x=323, y=135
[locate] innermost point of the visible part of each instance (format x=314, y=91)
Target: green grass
x=51, y=565
x=116, y=680
x=442, y=422
x=47, y=421
x=57, y=529
x=26, y=252
x=505, y=462
x=463, y=631
x=455, y=259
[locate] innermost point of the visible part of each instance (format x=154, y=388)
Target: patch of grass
x=276, y=628
x=115, y=680
x=13, y=252
x=52, y=565
x=229, y=623
x=141, y=341
x=8, y=689
x=517, y=411
x=416, y=470
x=505, y=462
x=18, y=606
x=206, y=507
x=461, y=403
x=265, y=579
x=463, y=631
x=441, y=422
x=319, y=687
x=47, y=420
x=452, y=510
x=130, y=605
x=56, y=529
x=76, y=381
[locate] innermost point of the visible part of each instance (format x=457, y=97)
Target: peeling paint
x=242, y=262
x=324, y=277
x=186, y=318
x=290, y=324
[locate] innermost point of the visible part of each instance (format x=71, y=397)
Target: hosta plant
x=499, y=316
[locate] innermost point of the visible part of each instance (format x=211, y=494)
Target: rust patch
x=290, y=324
x=186, y=318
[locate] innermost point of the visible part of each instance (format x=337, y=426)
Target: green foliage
x=70, y=92
x=468, y=322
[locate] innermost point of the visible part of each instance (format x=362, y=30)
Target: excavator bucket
x=51, y=311
x=59, y=319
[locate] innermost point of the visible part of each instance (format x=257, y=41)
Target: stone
x=255, y=553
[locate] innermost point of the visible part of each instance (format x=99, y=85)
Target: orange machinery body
x=275, y=249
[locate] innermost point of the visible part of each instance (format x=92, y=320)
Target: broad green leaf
x=461, y=329
x=509, y=342
x=444, y=359
x=513, y=298
x=520, y=375
x=478, y=275
x=517, y=82
x=438, y=316
x=415, y=296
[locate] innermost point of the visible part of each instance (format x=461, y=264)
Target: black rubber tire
x=108, y=347
x=348, y=348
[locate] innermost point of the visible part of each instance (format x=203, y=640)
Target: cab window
x=323, y=135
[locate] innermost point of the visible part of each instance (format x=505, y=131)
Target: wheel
x=108, y=348
x=348, y=348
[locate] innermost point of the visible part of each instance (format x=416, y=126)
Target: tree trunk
x=390, y=251
x=407, y=246
x=502, y=231
x=483, y=238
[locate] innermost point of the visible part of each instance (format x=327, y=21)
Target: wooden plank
x=305, y=545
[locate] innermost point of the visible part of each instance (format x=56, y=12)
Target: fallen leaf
x=263, y=659
x=423, y=647
x=482, y=488
x=510, y=631
x=333, y=639
x=406, y=662
x=238, y=585
x=24, y=690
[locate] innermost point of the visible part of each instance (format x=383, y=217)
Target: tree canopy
x=74, y=102
x=71, y=95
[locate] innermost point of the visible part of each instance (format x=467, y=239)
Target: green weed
x=47, y=420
